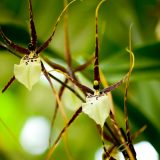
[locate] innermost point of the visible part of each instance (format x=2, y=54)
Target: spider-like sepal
x=32, y=27
x=46, y=43
x=13, y=45
x=96, y=63
x=112, y=87
x=8, y=84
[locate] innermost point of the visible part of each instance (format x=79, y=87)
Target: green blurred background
x=17, y=104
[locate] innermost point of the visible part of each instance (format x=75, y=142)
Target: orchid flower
x=97, y=104
x=29, y=69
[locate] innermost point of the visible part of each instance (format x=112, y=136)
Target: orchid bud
x=29, y=70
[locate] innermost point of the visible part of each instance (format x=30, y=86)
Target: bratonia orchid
x=97, y=103
x=29, y=70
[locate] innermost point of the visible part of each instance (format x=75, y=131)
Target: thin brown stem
x=125, y=97
x=56, y=108
x=127, y=152
x=54, y=92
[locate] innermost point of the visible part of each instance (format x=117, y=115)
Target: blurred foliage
x=115, y=17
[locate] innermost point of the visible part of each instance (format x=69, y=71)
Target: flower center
x=32, y=57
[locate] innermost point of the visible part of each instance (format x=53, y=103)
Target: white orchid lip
x=97, y=107
x=29, y=70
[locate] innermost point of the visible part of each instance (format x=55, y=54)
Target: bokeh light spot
x=35, y=134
